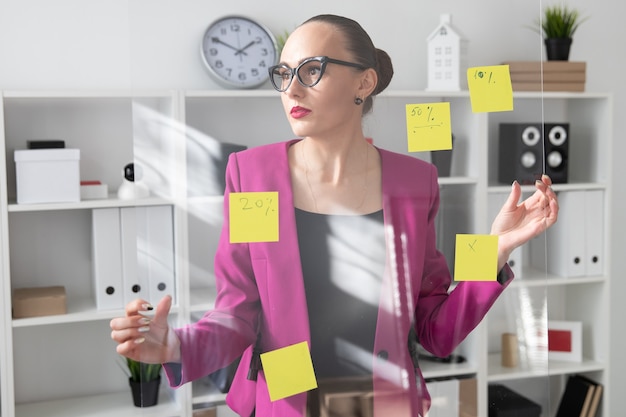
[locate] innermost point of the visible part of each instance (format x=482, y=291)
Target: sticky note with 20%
x=288, y=371
x=428, y=127
x=476, y=258
x=490, y=88
x=253, y=217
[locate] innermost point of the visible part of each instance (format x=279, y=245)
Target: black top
x=343, y=260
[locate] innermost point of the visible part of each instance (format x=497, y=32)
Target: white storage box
x=47, y=175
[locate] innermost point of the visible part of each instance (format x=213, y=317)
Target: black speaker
x=527, y=150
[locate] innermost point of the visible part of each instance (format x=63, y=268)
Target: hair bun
x=384, y=69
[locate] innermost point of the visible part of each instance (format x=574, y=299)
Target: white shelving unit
x=539, y=295
x=66, y=365
x=174, y=134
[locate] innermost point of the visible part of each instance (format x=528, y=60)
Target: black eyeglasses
x=309, y=72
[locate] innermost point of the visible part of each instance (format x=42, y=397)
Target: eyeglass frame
x=323, y=60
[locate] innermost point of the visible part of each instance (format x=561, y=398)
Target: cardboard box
x=468, y=396
x=41, y=301
x=345, y=396
x=453, y=397
x=207, y=412
x=93, y=190
x=47, y=175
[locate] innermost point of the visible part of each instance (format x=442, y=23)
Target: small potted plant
x=144, y=380
x=280, y=41
x=558, y=26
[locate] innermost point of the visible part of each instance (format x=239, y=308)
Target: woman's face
x=326, y=109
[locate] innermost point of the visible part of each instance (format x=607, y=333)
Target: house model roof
x=445, y=27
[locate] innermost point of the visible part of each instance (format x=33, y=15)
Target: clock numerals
x=237, y=51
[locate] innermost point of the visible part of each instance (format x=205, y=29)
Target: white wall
x=120, y=44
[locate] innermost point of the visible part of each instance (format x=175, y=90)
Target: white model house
x=447, y=58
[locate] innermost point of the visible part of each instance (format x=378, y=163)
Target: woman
x=355, y=272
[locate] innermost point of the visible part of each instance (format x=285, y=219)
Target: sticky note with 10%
x=253, y=217
x=288, y=371
x=476, y=257
x=428, y=127
x=490, y=88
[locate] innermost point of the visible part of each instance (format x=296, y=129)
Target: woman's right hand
x=144, y=333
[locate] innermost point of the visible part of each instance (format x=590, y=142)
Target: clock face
x=238, y=51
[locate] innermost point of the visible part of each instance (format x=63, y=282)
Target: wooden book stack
x=556, y=75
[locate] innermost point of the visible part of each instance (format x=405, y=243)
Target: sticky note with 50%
x=288, y=371
x=428, y=127
x=490, y=88
x=253, y=217
x=476, y=257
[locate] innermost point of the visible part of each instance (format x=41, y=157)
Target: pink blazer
x=261, y=291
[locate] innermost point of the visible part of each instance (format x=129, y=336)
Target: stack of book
x=547, y=75
x=581, y=397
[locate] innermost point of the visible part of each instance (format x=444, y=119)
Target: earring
x=358, y=101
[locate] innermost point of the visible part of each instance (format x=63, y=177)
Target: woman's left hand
x=516, y=223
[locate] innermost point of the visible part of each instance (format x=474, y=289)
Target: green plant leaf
x=280, y=40
x=560, y=21
x=143, y=372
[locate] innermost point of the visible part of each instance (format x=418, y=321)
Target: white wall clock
x=237, y=51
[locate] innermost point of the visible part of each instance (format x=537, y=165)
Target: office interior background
x=154, y=44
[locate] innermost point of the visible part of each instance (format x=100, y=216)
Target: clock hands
x=241, y=51
x=215, y=39
x=238, y=51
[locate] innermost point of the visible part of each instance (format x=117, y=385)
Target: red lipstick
x=298, y=112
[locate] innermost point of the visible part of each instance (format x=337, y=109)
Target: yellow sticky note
x=253, y=217
x=490, y=88
x=288, y=371
x=428, y=127
x=476, y=258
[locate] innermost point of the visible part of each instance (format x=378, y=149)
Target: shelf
x=457, y=181
x=421, y=93
x=79, y=310
x=260, y=93
x=497, y=372
x=516, y=94
x=270, y=93
x=431, y=370
x=206, y=394
x=80, y=94
x=502, y=188
x=106, y=405
x=112, y=201
x=532, y=277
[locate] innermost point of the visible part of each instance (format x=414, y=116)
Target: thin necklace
x=308, y=182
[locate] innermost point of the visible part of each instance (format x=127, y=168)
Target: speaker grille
x=526, y=150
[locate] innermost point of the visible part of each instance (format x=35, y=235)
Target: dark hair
x=359, y=43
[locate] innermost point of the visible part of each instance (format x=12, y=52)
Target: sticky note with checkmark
x=476, y=258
